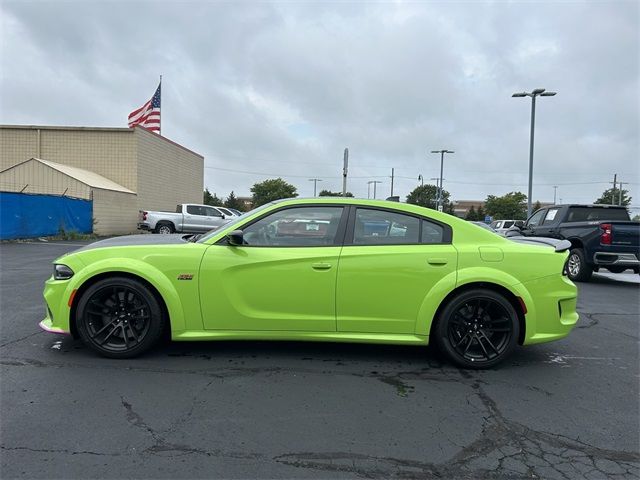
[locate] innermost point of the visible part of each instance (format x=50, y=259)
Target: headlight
x=62, y=272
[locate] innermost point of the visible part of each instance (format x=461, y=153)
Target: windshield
x=232, y=223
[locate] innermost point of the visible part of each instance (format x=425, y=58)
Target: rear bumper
x=144, y=226
x=604, y=259
x=554, y=313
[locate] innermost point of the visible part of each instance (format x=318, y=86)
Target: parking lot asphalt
x=304, y=410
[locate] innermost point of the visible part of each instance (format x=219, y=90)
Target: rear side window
x=594, y=214
x=432, y=232
x=381, y=227
x=194, y=210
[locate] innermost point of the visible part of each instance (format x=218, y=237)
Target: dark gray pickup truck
x=601, y=236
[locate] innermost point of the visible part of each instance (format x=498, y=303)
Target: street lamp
x=441, y=152
x=421, y=180
x=315, y=183
x=537, y=92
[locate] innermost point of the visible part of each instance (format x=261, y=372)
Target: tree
x=471, y=214
x=426, y=195
x=606, y=197
x=233, y=202
x=212, y=200
x=636, y=218
x=480, y=213
x=329, y=193
x=270, y=190
x=511, y=206
x=537, y=206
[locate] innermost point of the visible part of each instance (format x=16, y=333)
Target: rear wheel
x=577, y=268
x=119, y=317
x=477, y=329
x=164, y=228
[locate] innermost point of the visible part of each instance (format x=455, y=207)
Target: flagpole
x=160, y=127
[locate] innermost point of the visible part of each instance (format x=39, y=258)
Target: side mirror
x=223, y=217
x=235, y=238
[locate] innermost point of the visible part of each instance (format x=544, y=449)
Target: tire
x=119, y=317
x=477, y=329
x=164, y=228
x=577, y=268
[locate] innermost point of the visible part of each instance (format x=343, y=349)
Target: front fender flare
x=139, y=269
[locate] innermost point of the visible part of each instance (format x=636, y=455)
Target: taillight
x=605, y=236
x=144, y=215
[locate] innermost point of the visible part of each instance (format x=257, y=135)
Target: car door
x=282, y=279
x=193, y=219
x=388, y=265
x=534, y=225
x=214, y=218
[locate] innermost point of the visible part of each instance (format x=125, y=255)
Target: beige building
x=141, y=170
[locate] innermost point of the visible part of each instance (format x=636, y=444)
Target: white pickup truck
x=188, y=218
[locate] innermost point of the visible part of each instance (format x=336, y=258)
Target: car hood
x=132, y=240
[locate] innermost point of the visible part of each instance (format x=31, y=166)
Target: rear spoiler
x=558, y=245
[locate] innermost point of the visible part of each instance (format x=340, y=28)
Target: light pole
x=421, y=180
x=374, y=182
x=441, y=152
x=555, y=191
x=543, y=93
x=315, y=183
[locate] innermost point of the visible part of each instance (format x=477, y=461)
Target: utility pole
x=613, y=193
x=620, y=200
x=315, y=182
x=375, y=183
x=441, y=152
x=555, y=191
x=391, y=183
x=345, y=166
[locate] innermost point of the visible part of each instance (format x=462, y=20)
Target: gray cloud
x=282, y=88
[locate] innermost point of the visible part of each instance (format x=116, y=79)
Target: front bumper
x=56, y=297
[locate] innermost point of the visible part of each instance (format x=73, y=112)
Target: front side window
x=535, y=220
x=551, y=216
x=295, y=227
x=380, y=227
x=194, y=210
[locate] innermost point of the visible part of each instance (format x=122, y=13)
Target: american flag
x=148, y=115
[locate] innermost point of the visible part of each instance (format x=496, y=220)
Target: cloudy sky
x=267, y=89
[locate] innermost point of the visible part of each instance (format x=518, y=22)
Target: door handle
x=437, y=261
x=321, y=266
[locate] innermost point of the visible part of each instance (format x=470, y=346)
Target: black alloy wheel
x=478, y=329
x=119, y=317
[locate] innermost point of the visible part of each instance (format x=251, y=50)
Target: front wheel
x=577, y=268
x=477, y=329
x=119, y=317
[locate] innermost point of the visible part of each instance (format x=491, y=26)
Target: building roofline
x=91, y=179
x=167, y=140
x=98, y=129
x=64, y=127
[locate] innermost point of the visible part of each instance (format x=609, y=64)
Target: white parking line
x=627, y=277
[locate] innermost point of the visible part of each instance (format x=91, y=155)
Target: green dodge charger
x=324, y=269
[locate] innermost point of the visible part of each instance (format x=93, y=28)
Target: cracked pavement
x=291, y=410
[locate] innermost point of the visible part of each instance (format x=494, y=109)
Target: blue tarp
x=24, y=215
